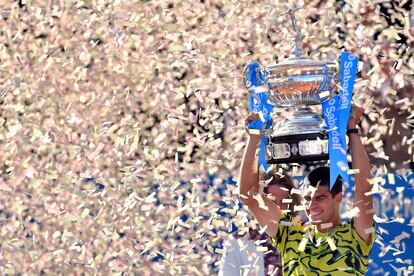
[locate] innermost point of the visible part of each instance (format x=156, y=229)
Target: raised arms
x=266, y=212
x=360, y=161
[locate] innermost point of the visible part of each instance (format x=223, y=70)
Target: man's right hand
x=253, y=133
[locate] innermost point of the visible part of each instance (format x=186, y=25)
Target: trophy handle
x=259, y=73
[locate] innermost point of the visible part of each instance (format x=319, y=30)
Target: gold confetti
x=286, y=223
x=262, y=249
x=215, y=142
x=238, y=147
x=331, y=243
x=295, y=191
x=326, y=225
x=369, y=230
x=254, y=131
x=219, y=251
x=324, y=94
x=353, y=171
x=261, y=202
x=302, y=244
x=376, y=180
x=391, y=179
x=299, y=208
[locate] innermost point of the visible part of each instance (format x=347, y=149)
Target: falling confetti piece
x=376, y=180
x=295, y=191
x=353, y=171
x=262, y=249
x=324, y=94
x=286, y=223
x=215, y=142
x=369, y=230
x=354, y=212
x=326, y=225
x=302, y=244
x=391, y=179
x=219, y=251
x=331, y=243
x=298, y=208
x=261, y=202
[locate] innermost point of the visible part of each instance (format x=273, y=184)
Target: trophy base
x=299, y=148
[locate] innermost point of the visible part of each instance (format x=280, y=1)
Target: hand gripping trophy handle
x=254, y=81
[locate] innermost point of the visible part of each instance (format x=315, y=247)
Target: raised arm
x=360, y=161
x=266, y=212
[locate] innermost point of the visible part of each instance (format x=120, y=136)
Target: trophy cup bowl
x=300, y=83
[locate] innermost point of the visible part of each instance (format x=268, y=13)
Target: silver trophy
x=299, y=82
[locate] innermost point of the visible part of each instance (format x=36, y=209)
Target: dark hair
x=279, y=180
x=321, y=176
x=283, y=181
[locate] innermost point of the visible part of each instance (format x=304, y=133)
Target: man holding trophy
x=324, y=246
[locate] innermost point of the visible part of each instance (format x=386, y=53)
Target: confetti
x=354, y=212
x=238, y=147
x=324, y=94
x=353, y=171
x=262, y=249
x=302, y=244
x=254, y=131
x=286, y=223
x=148, y=100
x=326, y=225
x=215, y=142
x=331, y=243
x=219, y=251
x=299, y=208
x=391, y=179
x=369, y=230
x=261, y=202
x=376, y=180
x=295, y=191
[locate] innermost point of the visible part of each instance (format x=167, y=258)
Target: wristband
x=352, y=130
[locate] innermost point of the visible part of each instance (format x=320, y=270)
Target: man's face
x=322, y=207
x=280, y=193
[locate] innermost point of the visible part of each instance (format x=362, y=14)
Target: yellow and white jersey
x=305, y=251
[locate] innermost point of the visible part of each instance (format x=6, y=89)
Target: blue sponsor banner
x=259, y=104
x=336, y=113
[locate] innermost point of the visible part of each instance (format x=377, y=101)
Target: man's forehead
x=313, y=191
